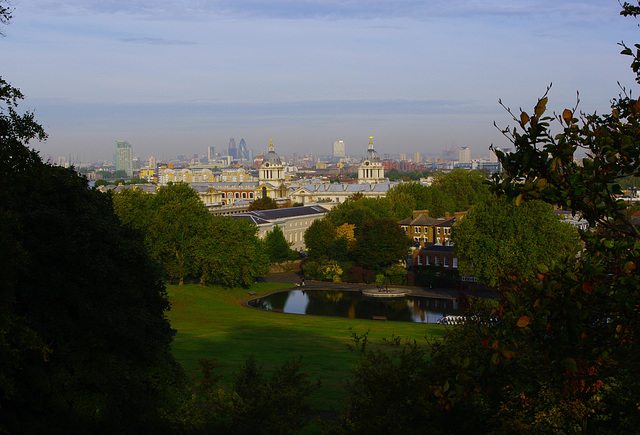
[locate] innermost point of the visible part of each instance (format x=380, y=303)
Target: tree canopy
x=277, y=248
x=85, y=345
x=497, y=238
x=187, y=240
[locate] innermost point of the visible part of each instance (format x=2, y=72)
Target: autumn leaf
x=541, y=107
x=524, y=118
x=518, y=200
x=567, y=115
x=523, y=322
x=587, y=287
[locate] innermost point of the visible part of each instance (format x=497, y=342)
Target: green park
x=212, y=324
x=124, y=313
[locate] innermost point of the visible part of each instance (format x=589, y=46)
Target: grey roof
x=272, y=158
x=265, y=216
x=446, y=223
x=424, y=220
x=371, y=155
x=349, y=188
x=224, y=185
x=437, y=248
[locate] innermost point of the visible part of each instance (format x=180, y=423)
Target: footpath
x=444, y=293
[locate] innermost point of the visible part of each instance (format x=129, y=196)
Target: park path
x=445, y=293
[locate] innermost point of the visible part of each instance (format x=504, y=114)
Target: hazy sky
x=173, y=77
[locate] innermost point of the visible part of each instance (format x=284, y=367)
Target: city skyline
x=176, y=78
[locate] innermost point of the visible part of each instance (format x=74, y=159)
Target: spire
x=370, y=142
x=271, y=147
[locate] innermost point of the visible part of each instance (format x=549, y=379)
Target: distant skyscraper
x=464, y=155
x=152, y=162
x=232, y=150
x=339, y=149
x=124, y=157
x=416, y=157
x=211, y=153
x=402, y=157
x=243, y=152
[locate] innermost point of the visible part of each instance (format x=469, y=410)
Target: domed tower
x=271, y=170
x=371, y=170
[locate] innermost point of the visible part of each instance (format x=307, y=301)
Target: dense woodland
x=85, y=344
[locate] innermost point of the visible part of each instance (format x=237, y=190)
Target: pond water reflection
x=352, y=304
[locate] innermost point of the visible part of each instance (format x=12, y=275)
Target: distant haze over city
x=177, y=77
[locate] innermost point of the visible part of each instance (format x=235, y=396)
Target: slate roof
x=420, y=220
x=224, y=185
x=349, y=188
x=266, y=216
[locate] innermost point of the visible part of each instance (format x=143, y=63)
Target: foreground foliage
x=252, y=404
x=84, y=343
x=558, y=352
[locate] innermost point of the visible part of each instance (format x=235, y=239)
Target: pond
x=353, y=305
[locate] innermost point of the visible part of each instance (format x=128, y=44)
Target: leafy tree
x=188, y=241
x=6, y=15
x=134, y=207
x=178, y=229
x=558, y=352
x=277, y=248
x=381, y=243
x=465, y=188
x=264, y=203
x=85, y=345
x=422, y=198
x=233, y=253
x=318, y=237
x=498, y=238
x=360, y=210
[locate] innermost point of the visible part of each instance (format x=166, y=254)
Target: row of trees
x=188, y=241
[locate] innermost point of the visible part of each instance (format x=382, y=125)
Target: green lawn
x=211, y=324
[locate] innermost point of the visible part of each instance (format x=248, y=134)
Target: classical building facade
x=231, y=186
x=371, y=170
x=293, y=221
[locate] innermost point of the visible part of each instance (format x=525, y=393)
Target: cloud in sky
x=176, y=76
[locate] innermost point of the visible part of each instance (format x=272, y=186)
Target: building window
x=224, y=195
x=237, y=195
x=244, y=194
x=438, y=230
x=436, y=260
x=416, y=239
x=446, y=261
x=417, y=230
x=251, y=195
x=419, y=260
x=427, y=260
x=455, y=262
